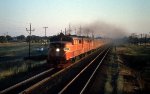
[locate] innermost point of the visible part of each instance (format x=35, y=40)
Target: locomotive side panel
x=69, y=54
x=75, y=50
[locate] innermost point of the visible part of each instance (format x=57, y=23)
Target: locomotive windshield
x=61, y=37
x=57, y=45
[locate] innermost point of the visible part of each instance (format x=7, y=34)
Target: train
x=64, y=49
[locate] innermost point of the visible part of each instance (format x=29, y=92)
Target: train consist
x=64, y=49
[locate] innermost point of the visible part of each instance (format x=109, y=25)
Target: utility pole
x=80, y=30
x=69, y=29
x=149, y=37
x=29, y=31
x=145, y=39
x=65, y=31
x=45, y=34
x=141, y=40
x=6, y=36
x=88, y=31
x=45, y=30
x=75, y=31
x=92, y=35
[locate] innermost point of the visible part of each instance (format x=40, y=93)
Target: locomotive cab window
x=56, y=45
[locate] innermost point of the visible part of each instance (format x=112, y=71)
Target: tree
x=27, y=39
x=3, y=39
x=33, y=38
x=9, y=38
x=133, y=39
x=21, y=37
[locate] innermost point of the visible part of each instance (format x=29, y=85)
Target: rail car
x=64, y=49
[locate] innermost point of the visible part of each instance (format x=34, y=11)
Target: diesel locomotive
x=63, y=49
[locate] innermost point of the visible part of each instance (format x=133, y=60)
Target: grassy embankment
x=137, y=58
x=129, y=70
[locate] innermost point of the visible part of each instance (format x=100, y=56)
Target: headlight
x=57, y=49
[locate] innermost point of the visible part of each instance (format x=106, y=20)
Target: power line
x=29, y=31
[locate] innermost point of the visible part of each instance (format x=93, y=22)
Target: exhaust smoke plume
x=102, y=29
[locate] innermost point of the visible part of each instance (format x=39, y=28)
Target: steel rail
x=25, y=81
x=62, y=90
x=82, y=91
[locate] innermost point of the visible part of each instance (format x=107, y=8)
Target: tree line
x=22, y=38
x=139, y=39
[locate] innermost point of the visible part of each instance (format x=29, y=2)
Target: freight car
x=64, y=49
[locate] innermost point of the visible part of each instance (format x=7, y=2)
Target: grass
x=18, y=68
x=16, y=49
x=133, y=70
x=137, y=57
x=11, y=58
x=20, y=73
x=134, y=50
x=12, y=48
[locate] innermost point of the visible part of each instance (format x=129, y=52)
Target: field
x=12, y=58
x=19, y=49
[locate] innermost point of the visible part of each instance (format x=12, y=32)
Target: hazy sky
x=15, y=15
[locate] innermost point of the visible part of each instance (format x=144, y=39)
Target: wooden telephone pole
x=29, y=31
x=45, y=35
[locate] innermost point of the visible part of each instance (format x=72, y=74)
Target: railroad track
x=78, y=83
x=28, y=82
x=82, y=81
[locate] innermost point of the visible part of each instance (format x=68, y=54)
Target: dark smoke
x=102, y=29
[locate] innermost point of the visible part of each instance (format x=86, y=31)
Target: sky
x=16, y=15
